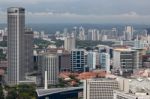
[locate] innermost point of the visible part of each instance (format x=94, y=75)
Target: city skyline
x=81, y=11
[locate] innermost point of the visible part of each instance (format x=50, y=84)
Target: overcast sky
x=81, y=11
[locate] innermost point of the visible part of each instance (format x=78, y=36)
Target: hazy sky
x=81, y=11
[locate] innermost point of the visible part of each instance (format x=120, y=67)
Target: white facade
x=81, y=33
x=69, y=43
x=50, y=64
x=139, y=44
x=99, y=88
x=91, y=60
x=128, y=33
x=93, y=34
x=105, y=61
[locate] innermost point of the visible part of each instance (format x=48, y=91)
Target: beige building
x=119, y=88
x=99, y=88
x=69, y=43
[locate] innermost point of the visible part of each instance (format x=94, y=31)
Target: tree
x=3, y=43
x=42, y=43
x=2, y=56
x=59, y=43
x=1, y=92
x=22, y=91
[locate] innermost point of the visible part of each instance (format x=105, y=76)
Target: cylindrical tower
x=50, y=64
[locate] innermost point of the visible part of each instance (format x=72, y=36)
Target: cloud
x=52, y=16
x=130, y=17
x=34, y=1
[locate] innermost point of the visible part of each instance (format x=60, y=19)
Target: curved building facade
x=50, y=64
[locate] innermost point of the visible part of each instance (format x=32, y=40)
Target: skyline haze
x=81, y=11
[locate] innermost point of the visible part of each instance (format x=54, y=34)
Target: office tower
x=42, y=34
x=69, y=43
x=77, y=60
x=141, y=53
x=105, y=61
x=16, y=49
x=81, y=33
x=91, y=60
x=65, y=33
x=97, y=60
x=125, y=60
x=93, y=34
x=140, y=44
x=38, y=66
x=64, y=62
x=50, y=64
x=128, y=33
x=115, y=33
x=74, y=32
x=28, y=36
x=99, y=88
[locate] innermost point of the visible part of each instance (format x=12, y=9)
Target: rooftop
x=44, y=92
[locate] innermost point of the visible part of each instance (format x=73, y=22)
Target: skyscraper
x=81, y=33
x=105, y=61
x=28, y=36
x=69, y=43
x=91, y=60
x=128, y=33
x=125, y=60
x=50, y=64
x=77, y=60
x=16, y=29
x=93, y=34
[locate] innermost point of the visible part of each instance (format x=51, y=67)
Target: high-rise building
x=28, y=50
x=91, y=60
x=69, y=43
x=93, y=34
x=128, y=33
x=64, y=62
x=77, y=60
x=65, y=33
x=105, y=61
x=125, y=60
x=50, y=64
x=99, y=88
x=115, y=33
x=16, y=49
x=81, y=33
